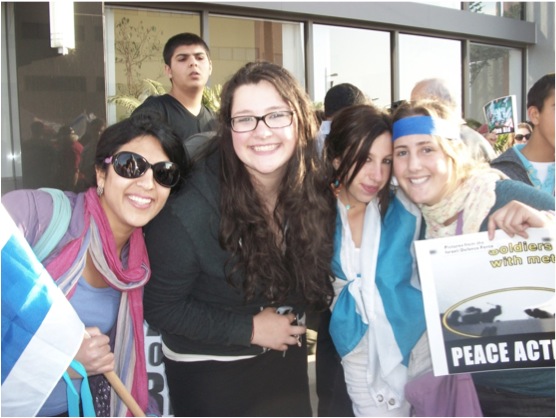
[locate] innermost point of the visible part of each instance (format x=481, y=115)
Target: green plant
x=128, y=102
x=501, y=142
x=211, y=97
x=133, y=46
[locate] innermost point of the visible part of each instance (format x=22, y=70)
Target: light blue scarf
x=385, y=303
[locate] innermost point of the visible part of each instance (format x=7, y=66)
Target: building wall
x=38, y=83
x=540, y=55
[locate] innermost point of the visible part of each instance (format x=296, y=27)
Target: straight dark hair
x=540, y=91
x=180, y=39
x=352, y=134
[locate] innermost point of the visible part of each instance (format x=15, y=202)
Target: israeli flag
x=41, y=332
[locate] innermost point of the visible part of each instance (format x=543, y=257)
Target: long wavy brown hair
x=296, y=261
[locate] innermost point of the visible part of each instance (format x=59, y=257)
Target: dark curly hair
x=296, y=260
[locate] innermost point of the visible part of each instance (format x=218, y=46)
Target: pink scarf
x=67, y=268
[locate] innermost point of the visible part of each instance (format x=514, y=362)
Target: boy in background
x=533, y=162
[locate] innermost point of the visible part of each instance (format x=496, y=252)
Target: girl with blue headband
x=456, y=196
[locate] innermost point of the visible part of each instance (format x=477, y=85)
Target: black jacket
x=188, y=297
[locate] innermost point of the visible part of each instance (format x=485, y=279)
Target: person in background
x=99, y=260
x=438, y=89
x=533, y=162
x=37, y=157
x=456, y=195
x=523, y=133
x=89, y=141
x=491, y=137
x=67, y=159
x=375, y=228
x=188, y=66
x=92, y=132
x=241, y=253
x=337, y=97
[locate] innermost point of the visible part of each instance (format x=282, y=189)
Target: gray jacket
x=510, y=164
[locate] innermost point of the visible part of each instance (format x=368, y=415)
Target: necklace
x=338, y=189
x=349, y=205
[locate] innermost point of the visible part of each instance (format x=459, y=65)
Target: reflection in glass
x=493, y=72
x=53, y=90
x=424, y=57
x=236, y=41
x=365, y=63
x=511, y=9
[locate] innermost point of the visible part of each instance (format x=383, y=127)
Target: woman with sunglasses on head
x=240, y=255
x=377, y=313
x=92, y=245
x=457, y=196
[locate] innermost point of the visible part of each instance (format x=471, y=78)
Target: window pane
x=423, y=57
x=493, y=72
x=135, y=40
x=338, y=59
x=237, y=41
x=512, y=9
x=53, y=89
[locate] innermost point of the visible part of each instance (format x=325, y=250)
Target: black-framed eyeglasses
x=519, y=137
x=131, y=166
x=278, y=119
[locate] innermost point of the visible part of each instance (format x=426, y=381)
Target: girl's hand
x=275, y=331
x=94, y=353
x=515, y=217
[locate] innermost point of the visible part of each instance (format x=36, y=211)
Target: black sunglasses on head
x=131, y=166
x=519, y=137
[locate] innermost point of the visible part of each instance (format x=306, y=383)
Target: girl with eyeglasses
x=457, y=195
x=92, y=245
x=241, y=254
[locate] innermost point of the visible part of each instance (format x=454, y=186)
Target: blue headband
x=424, y=125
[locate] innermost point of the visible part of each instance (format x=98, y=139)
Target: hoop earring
x=100, y=191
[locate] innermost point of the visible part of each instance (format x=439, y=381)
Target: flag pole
x=124, y=394
x=122, y=391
